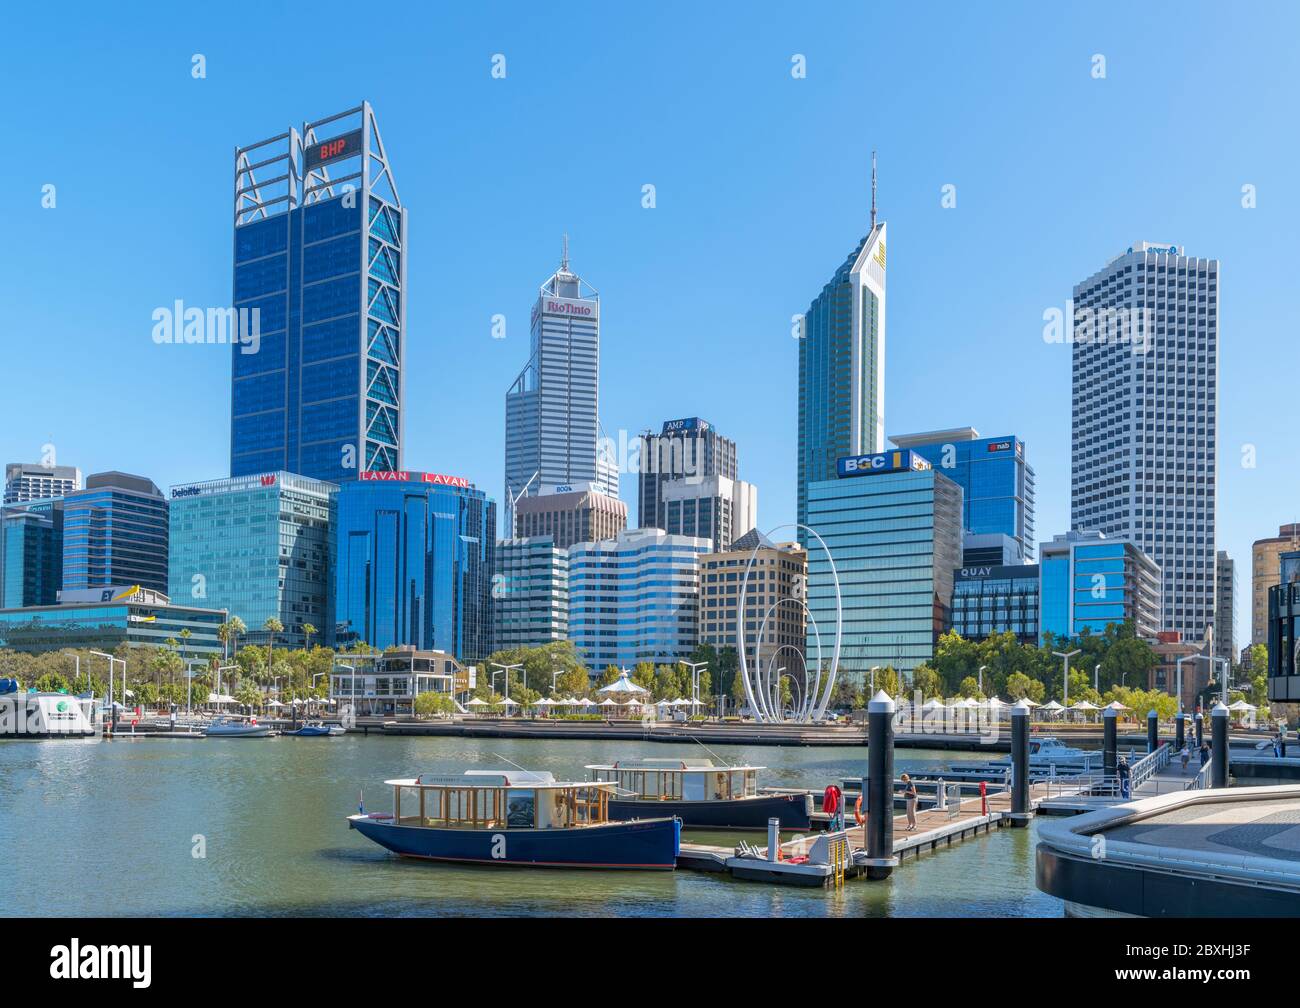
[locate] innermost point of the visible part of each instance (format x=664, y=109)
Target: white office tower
x=552, y=420
x=1145, y=377
x=29, y=481
x=709, y=507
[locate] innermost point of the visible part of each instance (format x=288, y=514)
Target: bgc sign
x=903, y=460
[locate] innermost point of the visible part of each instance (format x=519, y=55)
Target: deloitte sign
x=901, y=460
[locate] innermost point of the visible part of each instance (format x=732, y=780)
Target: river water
x=112, y=828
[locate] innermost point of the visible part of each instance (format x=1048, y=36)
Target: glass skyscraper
x=31, y=553
x=320, y=253
x=414, y=558
x=842, y=366
x=115, y=534
x=893, y=526
x=530, y=592
x=689, y=447
x=1144, y=427
x=552, y=408
x=997, y=483
x=258, y=547
x=1088, y=581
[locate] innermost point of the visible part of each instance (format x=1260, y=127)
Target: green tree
x=429, y=703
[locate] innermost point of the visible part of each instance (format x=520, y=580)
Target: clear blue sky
x=762, y=184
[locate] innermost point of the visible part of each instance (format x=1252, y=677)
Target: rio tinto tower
x=552, y=419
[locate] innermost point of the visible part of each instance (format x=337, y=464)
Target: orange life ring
x=857, y=811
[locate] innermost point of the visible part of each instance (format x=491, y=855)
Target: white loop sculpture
x=816, y=697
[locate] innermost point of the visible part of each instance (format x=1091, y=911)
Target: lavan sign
x=405, y=476
x=902, y=460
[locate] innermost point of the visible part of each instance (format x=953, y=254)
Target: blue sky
x=762, y=190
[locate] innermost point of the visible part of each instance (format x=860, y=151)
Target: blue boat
x=517, y=817
x=702, y=795
x=316, y=729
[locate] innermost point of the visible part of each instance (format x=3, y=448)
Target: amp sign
x=903, y=460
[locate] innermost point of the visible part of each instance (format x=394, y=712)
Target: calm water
x=79, y=819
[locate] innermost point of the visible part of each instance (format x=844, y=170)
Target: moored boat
x=701, y=794
x=316, y=729
x=228, y=727
x=517, y=817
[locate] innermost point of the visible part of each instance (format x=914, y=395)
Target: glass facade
x=319, y=391
x=414, y=561
x=992, y=600
x=257, y=546
x=31, y=553
x=530, y=592
x=997, y=484
x=115, y=533
x=896, y=539
x=635, y=598
x=105, y=626
x=1090, y=582
x=841, y=367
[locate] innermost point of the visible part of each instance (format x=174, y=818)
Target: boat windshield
x=465, y=807
x=687, y=785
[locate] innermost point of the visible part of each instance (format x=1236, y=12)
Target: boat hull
x=257, y=732
x=310, y=733
x=643, y=844
x=734, y=813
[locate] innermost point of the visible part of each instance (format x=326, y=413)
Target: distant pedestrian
x=1277, y=745
x=910, y=797
x=1205, y=753
x=1185, y=755
x=1124, y=772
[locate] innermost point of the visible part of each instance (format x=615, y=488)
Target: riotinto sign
x=901, y=460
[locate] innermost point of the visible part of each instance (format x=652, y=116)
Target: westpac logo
x=901, y=460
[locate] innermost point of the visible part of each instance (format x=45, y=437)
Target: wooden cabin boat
x=700, y=794
x=517, y=817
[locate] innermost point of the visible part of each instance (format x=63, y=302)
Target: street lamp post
x=1065, y=657
x=112, y=705
x=874, y=669
x=980, y=678
x=695, y=668
x=507, y=669
x=352, y=692
x=1096, y=677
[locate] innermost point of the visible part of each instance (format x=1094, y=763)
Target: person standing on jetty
x=910, y=796
x=1124, y=771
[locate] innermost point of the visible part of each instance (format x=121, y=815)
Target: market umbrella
x=476, y=702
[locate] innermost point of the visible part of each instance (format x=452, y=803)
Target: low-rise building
x=775, y=621
x=530, y=593
x=386, y=684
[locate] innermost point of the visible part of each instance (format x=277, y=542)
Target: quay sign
x=901, y=460
x=405, y=476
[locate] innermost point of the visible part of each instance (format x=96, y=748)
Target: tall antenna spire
x=873, y=190
x=564, y=254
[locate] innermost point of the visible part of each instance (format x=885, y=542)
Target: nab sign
x=901, y=460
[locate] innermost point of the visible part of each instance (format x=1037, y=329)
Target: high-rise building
x=115, y=533
x=570, y=514
x=1282, y=631
x=842, y=364
x=1265, y=572
x=635, y=598
x=710, y=507
x=892, y=525
x=1089, y=581
x=320, y=277
x=685, y=448
x=997, y=483
x=258, y=547
x=31, y=553
x=414, y=554
x=530, y=593
x=996, y=599
x=1145, y=390
x=1225, y=607
x=29, y=481
x=552, y=407
x=774, y=600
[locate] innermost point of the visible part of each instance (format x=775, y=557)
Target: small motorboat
x=229, y=727
x=316, y=729
x=701, y=794
x=517, y=817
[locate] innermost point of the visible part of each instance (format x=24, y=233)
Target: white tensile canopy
x=476, y=702
x=1115, y=705
x=609, y=702
x=220, y=698
x=507, y=702
x=622, y=685
x=1084, y=705
x=548, y=702
x=1241, y=705
x=1053, y=705
x=934, y=703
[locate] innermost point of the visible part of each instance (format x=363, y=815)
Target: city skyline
x=932, y=368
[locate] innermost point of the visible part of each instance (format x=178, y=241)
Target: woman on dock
x=910, y=796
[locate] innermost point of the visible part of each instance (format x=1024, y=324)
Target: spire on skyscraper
x=564, y=254
x=873, y=190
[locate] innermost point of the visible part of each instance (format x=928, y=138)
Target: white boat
x=32, y=715
x=230, y=727
x=1050, y=751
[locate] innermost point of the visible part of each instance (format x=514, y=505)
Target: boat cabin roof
x=670, y=766
x=535, y=779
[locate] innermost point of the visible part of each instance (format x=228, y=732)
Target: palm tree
x=307, y=631
x=234, y=628
x=272, y=626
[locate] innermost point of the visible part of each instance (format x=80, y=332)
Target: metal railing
x=1201, y=781
x=1149, y=765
